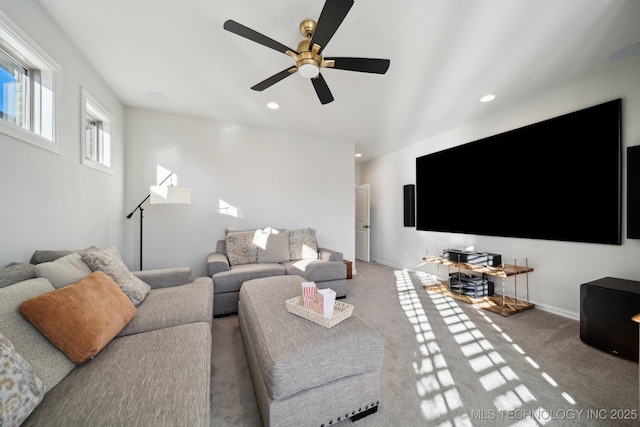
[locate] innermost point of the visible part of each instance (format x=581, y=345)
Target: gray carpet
x=447, y=363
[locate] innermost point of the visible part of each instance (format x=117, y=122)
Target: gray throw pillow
x=109, y=262
x=48, y=362
x=15, y=273
x=64, y=271
x=41, y=256
x=274, y=248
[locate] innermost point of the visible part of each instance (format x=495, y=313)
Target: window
x=97, y=126
x=30, y=87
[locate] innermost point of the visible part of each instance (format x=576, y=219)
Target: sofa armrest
x=329, y=254
x=216, y=263
x=165, y=277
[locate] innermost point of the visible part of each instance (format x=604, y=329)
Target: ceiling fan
x=308, y=55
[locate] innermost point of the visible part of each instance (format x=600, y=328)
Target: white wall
x=52, y=201
x=559, y=267
x=276, y=179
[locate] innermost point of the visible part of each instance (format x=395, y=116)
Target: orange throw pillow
x=82, y=318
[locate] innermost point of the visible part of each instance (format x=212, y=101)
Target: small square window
x=30, y=88
x=96, y=134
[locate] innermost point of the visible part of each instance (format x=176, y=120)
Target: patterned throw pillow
x=303, y=244
x=109, y=261
x=241, y=249
x=21, y=390
x=48, y=362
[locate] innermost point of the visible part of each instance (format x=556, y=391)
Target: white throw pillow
x=63, y=271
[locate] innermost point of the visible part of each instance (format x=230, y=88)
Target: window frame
x=19, y=46
x=91, y=108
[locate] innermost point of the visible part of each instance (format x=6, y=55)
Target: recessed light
x=158, y=96
x=488, y=98
x=273, y=106
x=358, y=155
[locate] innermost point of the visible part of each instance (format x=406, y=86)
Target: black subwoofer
x=606, y=308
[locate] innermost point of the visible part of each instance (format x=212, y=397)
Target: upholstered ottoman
x=303, y=373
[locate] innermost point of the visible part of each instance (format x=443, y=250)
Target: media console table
x=497, y=303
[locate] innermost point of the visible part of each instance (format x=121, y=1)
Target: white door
x=362, y=222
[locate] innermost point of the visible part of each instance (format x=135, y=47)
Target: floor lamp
x=162, y=195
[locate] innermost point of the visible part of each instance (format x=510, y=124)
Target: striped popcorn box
x=309, y=293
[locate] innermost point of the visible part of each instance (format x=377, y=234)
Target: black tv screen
x=559, y=179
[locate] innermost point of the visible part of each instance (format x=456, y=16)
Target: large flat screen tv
x=559, y=179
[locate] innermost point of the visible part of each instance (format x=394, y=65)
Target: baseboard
x=558, y=311
x=543, y=307
x=392, y=265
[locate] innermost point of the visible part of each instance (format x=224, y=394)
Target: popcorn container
x=326, y=301
x=309, y=293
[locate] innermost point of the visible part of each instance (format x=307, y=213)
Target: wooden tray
x=341, y=311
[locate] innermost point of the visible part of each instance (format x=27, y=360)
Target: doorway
x=362, y=227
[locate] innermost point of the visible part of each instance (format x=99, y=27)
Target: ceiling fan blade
x=332, y=15
x=274, y=79
x=363, y=65
x=255, y=36
x=322, y=89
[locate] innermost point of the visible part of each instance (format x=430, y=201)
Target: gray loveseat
x=155, y=371
x=252, y=254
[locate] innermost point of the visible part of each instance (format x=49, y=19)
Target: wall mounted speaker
x=409, y=205
x=633, y=192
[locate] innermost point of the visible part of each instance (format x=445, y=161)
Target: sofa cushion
x=109, y=261
x=231, y=281
x=63, y=271
x=240, y=247
x=158, y=378
x=21, y=390
x=49, y=363
x=16, y=272
x=303, y=244
x=273, y=247
x=80, y=319
x=315, y=270
x=173, y=306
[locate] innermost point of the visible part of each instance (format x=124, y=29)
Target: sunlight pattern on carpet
x=494, y=375
x=546, y=376
x=434, y=378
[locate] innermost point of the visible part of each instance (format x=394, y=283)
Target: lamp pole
x=141, y=216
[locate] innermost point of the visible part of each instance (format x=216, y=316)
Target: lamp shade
x=169, y=195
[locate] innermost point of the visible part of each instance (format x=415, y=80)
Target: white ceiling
x=445, y=54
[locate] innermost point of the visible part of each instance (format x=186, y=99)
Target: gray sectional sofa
x=155, y=371
x=252, y=254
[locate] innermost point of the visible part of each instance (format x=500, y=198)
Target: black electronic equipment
x=470, y=285
x=606, y=308
x=559, y=179
x=470, y=257
x=633, y=192
x=409, y=205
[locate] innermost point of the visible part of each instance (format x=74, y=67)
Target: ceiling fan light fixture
x=309, y=70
